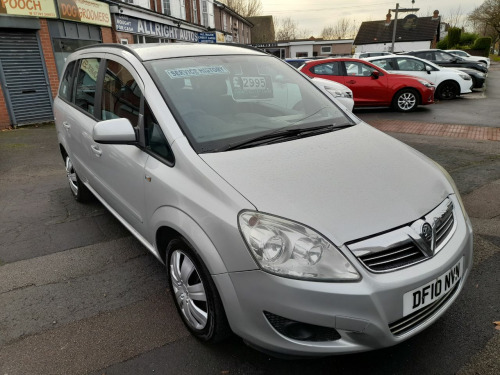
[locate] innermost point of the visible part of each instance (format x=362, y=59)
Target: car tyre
x=447, y=90
x=195, y=295
x=405, y=100
x=78, y=189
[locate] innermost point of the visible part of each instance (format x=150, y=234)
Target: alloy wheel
x=72, y=178
x=407, y=101
x=189, y=290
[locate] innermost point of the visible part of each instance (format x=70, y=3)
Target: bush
x=467, y=39
x=442, y=44
x=483, y=44
x=453, y=36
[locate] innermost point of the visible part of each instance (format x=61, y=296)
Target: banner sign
x=30, y=8
x=221, y=37
x=207, y=38
x=151, y=28
x=87, y=11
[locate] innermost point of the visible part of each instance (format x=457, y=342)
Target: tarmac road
x=78, y=294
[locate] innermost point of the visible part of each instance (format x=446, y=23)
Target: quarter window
x=155, y=139
x=85, y=87
x=121, y=96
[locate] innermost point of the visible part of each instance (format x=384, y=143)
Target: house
x=412, y=33
x=312, y=47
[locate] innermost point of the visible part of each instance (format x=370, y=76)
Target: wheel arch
x=171, y=223
x=448, y=81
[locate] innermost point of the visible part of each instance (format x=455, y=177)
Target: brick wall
x=118, y=36
x=107, y=35
x=48, y=56
x=4, y=115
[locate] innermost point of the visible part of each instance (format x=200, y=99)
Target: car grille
x=393, y=258
x=406, y=246
x=409, y=322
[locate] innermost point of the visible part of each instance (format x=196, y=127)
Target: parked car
x=373, y=86
x=446, y=59
x=450, y=82
x=296, y=63
x=467, y=57
x=340, y=92
x=362, y=55
x=478, y=78
x=292, y=223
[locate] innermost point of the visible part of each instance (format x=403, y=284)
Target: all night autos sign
x=87, y=11
x=30, y=8
x=151, y=28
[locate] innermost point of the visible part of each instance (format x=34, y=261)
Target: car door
x=119, y=169
x=80, y=114
x=367, y=89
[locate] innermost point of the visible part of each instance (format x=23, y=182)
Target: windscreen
x=220, y=100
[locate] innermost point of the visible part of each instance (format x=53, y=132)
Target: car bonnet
x=347, y=184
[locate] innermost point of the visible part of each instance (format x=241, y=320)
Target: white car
x=467, y=57
x=340, y=92
x=449, y=82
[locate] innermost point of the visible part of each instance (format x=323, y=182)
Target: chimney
x=388, y=18
x=436, y=15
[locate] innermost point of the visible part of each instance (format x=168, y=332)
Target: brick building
x=36, y=36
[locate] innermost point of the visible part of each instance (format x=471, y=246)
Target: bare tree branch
x=343, y=29
x=245, y=8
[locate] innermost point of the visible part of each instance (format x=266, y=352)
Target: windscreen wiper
x=279, y=136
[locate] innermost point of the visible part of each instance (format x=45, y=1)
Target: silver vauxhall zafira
x=279, y=216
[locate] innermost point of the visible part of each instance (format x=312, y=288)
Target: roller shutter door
x=24, y=78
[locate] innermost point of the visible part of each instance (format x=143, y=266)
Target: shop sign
x=207, y=38
x=220, y=37
x=87, y=11
x=229, y=38
x=144, y=27
x=30, y=8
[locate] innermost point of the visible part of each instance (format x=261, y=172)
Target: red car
x=373, y=86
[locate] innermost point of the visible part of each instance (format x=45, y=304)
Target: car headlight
x=465, y=76
x=286, y=248
x=425, y=83
x=482, y=75
x=455, y=189
x=338, y=93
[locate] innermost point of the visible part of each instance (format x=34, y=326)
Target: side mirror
x=116, y=131
x=375, y=74
x=428, y=69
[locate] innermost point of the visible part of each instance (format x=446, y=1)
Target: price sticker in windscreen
x=251, y=87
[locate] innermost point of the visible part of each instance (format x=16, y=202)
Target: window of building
x=85, y=86
x=300, y=54
x=224, y=19
x=326, y=49
x=166, y=7
x=195, y=11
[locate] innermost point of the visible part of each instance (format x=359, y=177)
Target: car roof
x=155, y=51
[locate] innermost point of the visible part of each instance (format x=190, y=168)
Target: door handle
x=351, y=81
x=96, y=150
x=66, y=125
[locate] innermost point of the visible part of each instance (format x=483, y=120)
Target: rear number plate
x=426, y=294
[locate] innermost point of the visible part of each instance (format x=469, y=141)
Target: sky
x=313, y=15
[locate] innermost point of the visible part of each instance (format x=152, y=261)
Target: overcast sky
x=313, y=15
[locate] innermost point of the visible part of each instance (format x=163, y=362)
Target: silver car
x=279, y=216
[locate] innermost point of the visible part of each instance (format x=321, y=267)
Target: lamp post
x=396, y=11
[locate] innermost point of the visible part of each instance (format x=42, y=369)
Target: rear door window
x=85, y=85
x=66, y=82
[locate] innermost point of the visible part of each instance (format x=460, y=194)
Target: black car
x=478, y=77
x=446, y=59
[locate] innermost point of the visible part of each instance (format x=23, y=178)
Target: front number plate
x=426, y=294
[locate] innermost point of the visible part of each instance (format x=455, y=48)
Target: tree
x=245, y=8
x=288, y=29
x=343, y=29
x=487, y=16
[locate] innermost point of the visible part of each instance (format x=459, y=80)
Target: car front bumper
x=359, y=311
